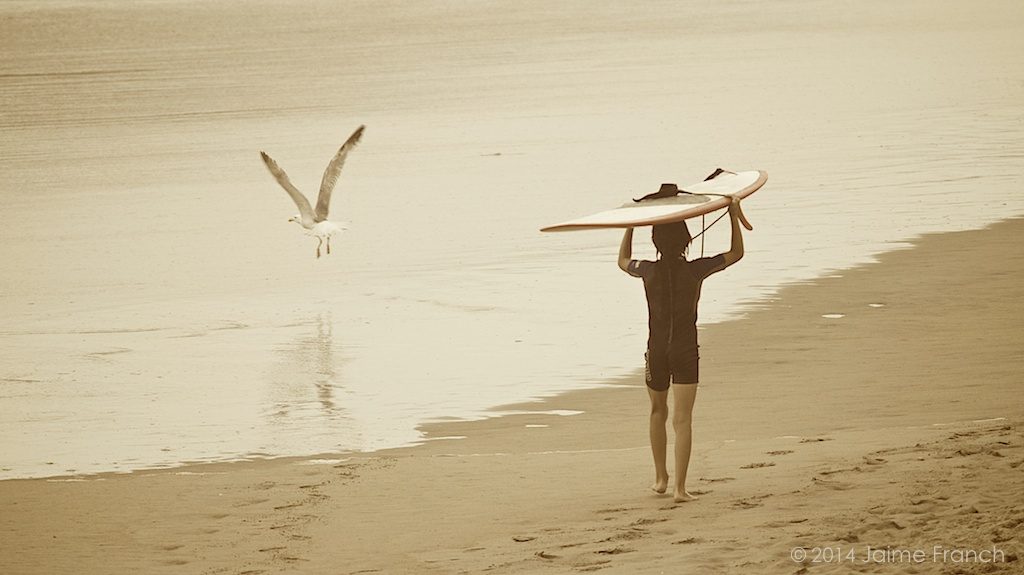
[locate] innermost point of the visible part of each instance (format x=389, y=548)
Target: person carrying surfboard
x=672, y=284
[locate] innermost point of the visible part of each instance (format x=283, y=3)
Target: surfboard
x=693, y=200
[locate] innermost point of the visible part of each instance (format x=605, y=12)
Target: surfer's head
x=671, y=239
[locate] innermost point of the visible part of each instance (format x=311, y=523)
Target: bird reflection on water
x=309, y=363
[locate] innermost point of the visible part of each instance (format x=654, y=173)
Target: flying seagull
x=315, y=221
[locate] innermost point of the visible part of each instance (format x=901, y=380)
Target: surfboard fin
x=715, y=174
x=670, y=190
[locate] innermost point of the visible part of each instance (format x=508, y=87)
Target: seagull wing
x=332, y=172
x=300, y=200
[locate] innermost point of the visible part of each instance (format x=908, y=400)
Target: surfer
x=672, y=284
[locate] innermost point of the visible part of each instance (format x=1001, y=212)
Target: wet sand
x=897, y=426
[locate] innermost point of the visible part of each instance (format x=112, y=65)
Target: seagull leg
x=320, y=243
x=328, y=245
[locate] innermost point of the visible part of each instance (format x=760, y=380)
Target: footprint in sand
x=841, y=470
x=613, y=511
x=1012, y=523
x=999, y=536
x=757, y=465
x=647, y=521
x=887, y=525
x=614, y=551
x=959, y=434
x=617, y=509
x=751, y=502
x=593, y=565
x=815, y=439
x=967, y=451
x=630, y=534
x=688, y=541
x=833, y=485
x=346, y=473
x=872, y=530
x=717, y=479
x=785, y=523
x=780, y=452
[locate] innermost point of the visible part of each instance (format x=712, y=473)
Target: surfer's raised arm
x=626, y=250
x=735, y=252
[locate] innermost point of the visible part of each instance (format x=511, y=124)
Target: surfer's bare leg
x=659, y=439
x=683, y=395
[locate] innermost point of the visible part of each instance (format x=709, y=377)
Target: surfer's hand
x=736, y=213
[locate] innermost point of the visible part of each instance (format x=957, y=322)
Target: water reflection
x=307, y=377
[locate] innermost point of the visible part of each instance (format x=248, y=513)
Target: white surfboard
x=695, y=200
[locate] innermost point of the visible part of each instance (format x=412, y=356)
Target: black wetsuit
x=673, y=290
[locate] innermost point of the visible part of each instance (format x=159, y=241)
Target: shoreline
x=496, y=496
x=541, y=405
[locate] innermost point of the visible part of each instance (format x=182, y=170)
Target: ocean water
x=156, y=308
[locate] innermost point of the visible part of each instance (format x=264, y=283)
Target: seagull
x=315, y=221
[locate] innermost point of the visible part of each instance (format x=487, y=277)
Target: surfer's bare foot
x=682, y=496
x=660, y=485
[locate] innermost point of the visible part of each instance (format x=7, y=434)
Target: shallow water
x=158, y=309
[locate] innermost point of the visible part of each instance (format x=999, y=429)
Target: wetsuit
x=673, y=289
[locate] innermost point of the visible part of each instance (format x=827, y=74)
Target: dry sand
x=897, y=426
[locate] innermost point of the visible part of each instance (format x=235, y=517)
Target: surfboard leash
x=703, y=228
x=706, y=228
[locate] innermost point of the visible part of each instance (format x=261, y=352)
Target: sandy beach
x=887, y=440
